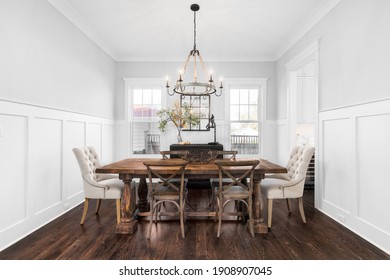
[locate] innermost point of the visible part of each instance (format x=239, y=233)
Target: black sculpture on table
x=212, y=124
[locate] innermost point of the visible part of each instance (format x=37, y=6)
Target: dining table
x=133, y=169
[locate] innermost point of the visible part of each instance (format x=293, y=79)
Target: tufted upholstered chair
x=97, y=186
x=290, y=184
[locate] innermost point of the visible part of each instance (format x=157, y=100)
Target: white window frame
x=261, y=85
x=130, y=85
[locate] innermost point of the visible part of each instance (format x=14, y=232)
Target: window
x=145, y=135
x=244, y=120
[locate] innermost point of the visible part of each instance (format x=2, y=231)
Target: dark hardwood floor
x=321, y=238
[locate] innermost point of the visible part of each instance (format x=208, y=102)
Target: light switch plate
x=1, y=130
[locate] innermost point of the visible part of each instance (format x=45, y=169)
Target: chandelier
x=195, y=87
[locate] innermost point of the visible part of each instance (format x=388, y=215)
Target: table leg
x=143, y=204
x=258, y=220
x=128, y=222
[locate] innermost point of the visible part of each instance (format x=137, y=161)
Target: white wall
x=56, y=92
x=353, y=85
x=47, y=61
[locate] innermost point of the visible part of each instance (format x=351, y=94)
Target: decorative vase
x=179, y=139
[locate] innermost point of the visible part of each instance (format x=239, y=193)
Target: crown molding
x=68, y=12
x=321, y=11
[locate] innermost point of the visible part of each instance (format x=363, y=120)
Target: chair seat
x=166, y=193
x=271, y=188
x=114, y=188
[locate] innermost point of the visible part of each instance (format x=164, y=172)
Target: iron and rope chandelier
x=195, y=87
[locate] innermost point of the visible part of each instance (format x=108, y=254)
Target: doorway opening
x=302, y=74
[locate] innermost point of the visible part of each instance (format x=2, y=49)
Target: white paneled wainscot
x=354, y=169
x=40, y=176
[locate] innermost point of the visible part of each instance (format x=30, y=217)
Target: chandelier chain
x=194, y=30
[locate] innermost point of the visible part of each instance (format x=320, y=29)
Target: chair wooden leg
x=288, y=206
x=250, y=213
x=86, y=204
x=182, y=219
x=270, y=202
x=220, y=210
x=118, y=211
x=216, y=208
x=300, y=201
x=151, y=219
x=212, y=200
x=98, y=203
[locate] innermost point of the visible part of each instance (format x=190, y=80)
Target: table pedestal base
x=128, y=223
x=127, y=228
x=260, y=228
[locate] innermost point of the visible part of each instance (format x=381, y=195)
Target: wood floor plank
x=320, y=238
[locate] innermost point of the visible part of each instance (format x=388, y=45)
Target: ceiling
x=162, y=30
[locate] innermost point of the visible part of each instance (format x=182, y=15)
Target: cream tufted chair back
x=96, y=186
x=298, y=162
x=88, y=160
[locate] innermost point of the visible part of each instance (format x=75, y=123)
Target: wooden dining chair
x=167, y=189
x=237, y=171
x=214, y=182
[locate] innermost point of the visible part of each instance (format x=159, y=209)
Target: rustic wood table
x=132, y=168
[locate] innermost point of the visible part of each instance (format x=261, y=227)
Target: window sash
x=146, y=101
x=244, y=120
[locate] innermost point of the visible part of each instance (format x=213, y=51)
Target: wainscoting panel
x=354, y=170
x=74, y=136
x=373, y=154
x=108, y=144
x=13, y=151
x=40, y=176
x=45, y=163
x=337, y=145
x=94, y=136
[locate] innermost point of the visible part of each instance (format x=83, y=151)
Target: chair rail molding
x=36, y=146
